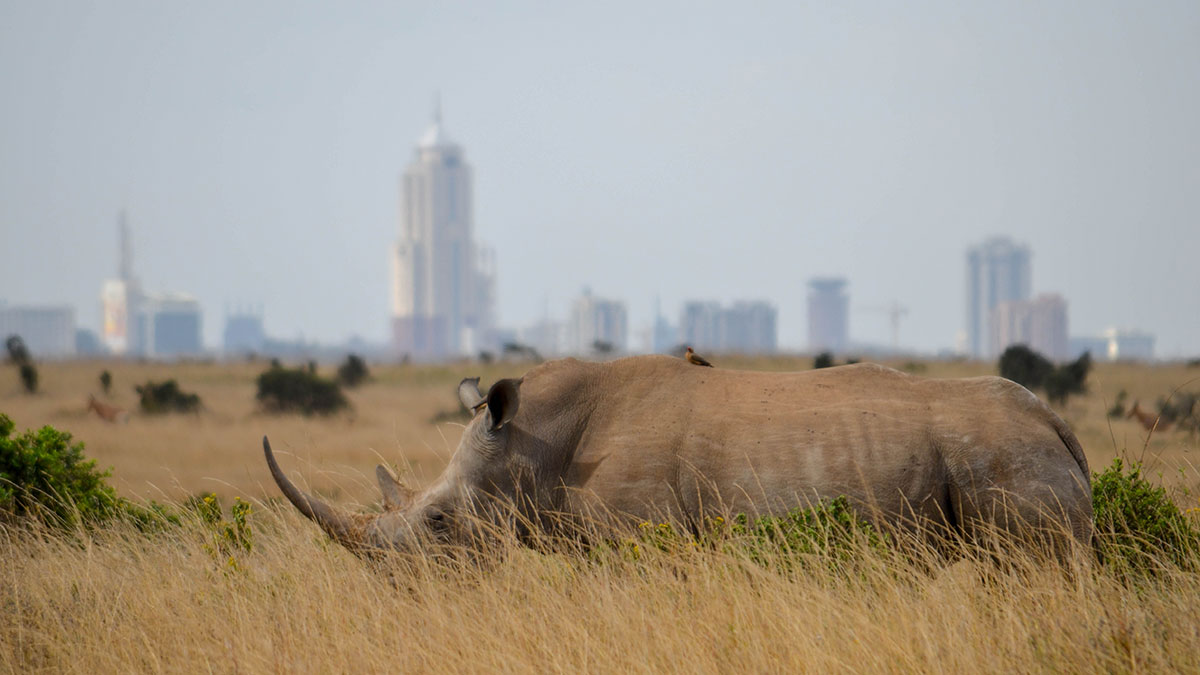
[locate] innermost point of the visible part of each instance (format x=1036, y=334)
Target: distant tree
x=518, y=350
x=1024, y=366
x=823, y=360
x=283, y=390
x=159, y=398
x=312, y=367
x=352, y=372
x=603, y=347
x=1030, y=369
x=1068, y=379
x=29, y=377
x=486, y=356
x=106, y=381
x=18, y=353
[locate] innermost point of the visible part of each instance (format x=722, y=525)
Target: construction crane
x=895, y=312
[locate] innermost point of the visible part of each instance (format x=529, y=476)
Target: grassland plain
x=116, y=600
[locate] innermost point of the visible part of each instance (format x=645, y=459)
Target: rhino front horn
x=339, y=526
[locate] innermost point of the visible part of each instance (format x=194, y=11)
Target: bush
x=830, y=529
x=158, y=398
x=1138, y=527
x=44, y=475
x=823, y=360
x=352, y=372
x=828, y=533
x=1069, y=379
x=106, y=381
x=282, y=390
x=1031, y=370
x=1025, y=366
x=1181, y=409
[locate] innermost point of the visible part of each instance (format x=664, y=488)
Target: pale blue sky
x=642, y=149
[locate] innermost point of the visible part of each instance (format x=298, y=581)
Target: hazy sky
x=640, y=149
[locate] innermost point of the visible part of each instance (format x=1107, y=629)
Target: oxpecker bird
x=695, y=359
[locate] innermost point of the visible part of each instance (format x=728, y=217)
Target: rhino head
x=447, y=512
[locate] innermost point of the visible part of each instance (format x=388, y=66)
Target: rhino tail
x=1072, y=442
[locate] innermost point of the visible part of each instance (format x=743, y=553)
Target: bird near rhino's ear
x=502, y=401
x=468, y=393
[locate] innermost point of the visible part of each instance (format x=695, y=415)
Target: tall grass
x=119, y=600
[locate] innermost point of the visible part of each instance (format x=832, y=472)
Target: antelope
x=108, y=413
x=1149, y=421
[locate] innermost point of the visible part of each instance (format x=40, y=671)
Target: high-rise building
x=119, y=297
x=48, y=332
x=442, y=290
x=745, y=327
x=244, y=332
x=699, y=325
x=997, y=271
x=828, y=315
x=156, y=325
x=1040, y=324
x=167, y=325
x=594, y=322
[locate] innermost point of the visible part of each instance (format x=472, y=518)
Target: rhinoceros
x=654, y=437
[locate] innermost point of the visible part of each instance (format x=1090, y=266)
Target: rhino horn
x=338, y=526
x=395, y=495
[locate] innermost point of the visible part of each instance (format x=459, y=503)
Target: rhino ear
x=502, y=401
x=395, y=495
x=468, y=393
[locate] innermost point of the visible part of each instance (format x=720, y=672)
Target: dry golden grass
x=119, y=601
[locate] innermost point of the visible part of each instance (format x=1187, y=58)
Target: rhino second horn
x=337, y=525
x=395, y=495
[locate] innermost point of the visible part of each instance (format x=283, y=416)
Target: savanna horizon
x=406, y=417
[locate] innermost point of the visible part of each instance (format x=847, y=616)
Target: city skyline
x=818, y=141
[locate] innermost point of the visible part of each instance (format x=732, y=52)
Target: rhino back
x=657, y=437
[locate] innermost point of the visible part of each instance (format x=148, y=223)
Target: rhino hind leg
x=1035, y=515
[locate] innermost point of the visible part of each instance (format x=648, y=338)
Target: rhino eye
x=438, y=521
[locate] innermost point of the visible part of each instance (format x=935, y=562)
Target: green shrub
x=226, y=539
x=282, y=390
x=831, y=530
x=1138, y=527
x=829, y=533
x=158, y=398
x=352, y=372
x=823, y=360
x=44, y=475
x=106, y=381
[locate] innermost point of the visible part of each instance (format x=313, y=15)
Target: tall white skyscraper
x=120, y=297
x=442, y=289
x=997, y=271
